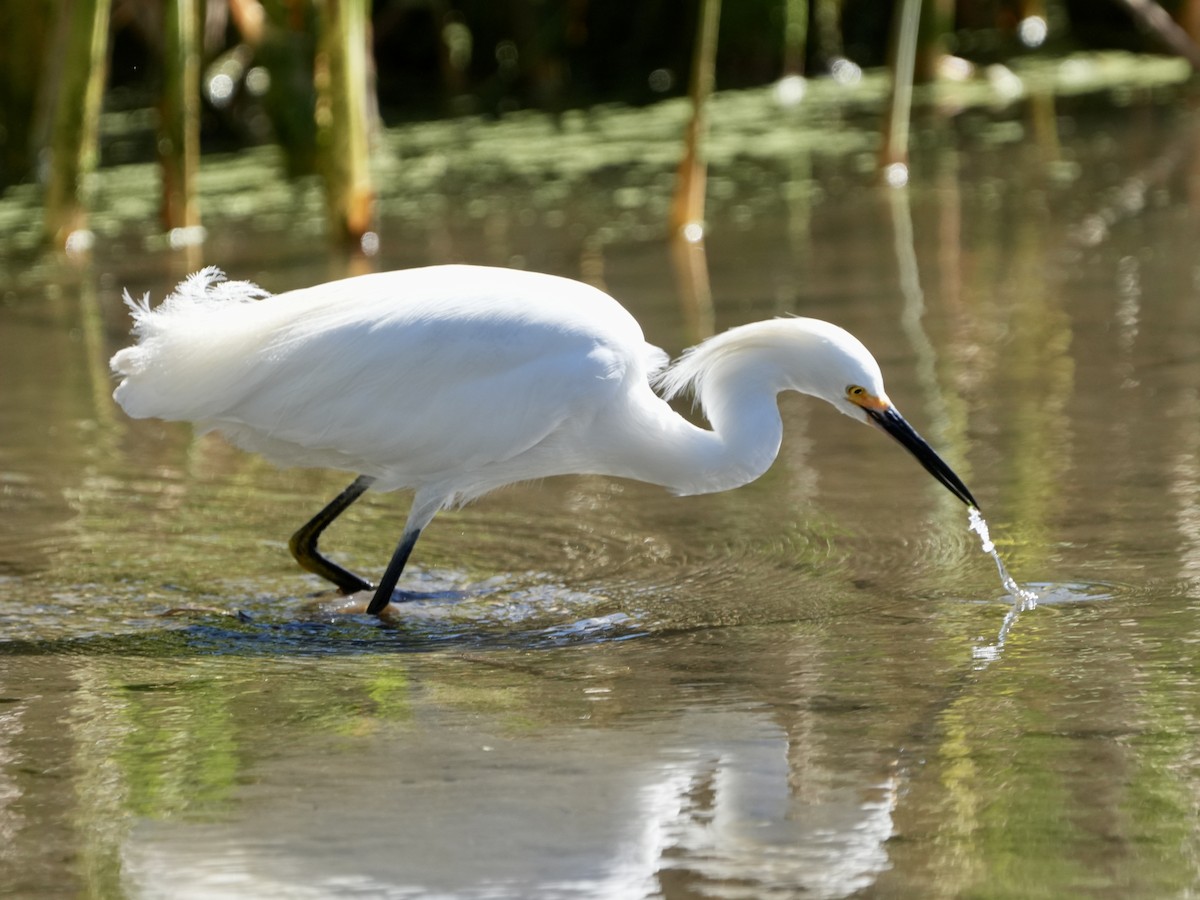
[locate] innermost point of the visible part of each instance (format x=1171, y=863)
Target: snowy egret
x=456, y=380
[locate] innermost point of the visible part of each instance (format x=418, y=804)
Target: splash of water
x=1022, y=598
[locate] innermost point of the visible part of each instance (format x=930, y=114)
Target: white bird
x=453, y=381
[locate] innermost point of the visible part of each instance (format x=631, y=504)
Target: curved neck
x=661, y=447
x=736, y=377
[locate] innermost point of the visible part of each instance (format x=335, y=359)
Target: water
x=1022, y=598
x=811, y=686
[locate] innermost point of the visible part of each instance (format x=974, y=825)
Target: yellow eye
x=856, y=392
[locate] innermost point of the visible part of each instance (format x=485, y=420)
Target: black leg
x=304, y=542
x=387, y=584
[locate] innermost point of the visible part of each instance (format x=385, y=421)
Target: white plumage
x=456, y=380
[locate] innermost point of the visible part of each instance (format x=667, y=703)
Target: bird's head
x=846, y=374
x=805, y=355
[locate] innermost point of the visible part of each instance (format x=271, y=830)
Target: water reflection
x=635, y=812
x=225, y=777
x=690, y=261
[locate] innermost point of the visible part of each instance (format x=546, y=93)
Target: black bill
x=895, y=424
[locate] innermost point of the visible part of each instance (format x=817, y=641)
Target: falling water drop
x=1022, y=598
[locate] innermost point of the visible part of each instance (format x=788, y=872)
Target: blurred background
x=99, y=83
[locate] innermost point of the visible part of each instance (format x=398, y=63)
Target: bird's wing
x=416, y=399
x=403, y=375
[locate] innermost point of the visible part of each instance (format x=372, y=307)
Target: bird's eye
x=855, y=390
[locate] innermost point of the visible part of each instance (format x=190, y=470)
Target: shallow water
x=799, y=688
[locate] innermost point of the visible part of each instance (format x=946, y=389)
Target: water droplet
x=1022, y=597
x=790, y=90
x=1032, y=31
x=845, y=72
x=896, y=175
x=220, y=90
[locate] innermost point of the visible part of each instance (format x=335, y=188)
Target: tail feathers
x=197, y=293
x=184, y=356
